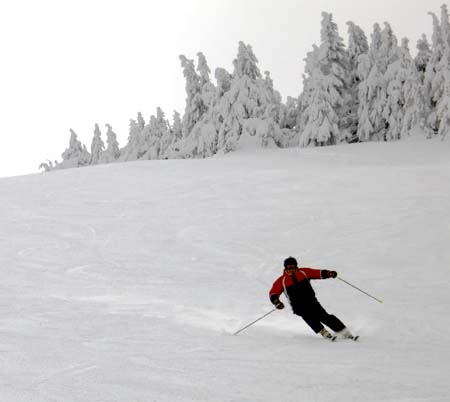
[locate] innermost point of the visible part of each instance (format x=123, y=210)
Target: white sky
x=71, y=64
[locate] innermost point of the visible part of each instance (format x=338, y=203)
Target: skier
x=294, y=283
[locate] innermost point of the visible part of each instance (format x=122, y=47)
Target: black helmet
x=290, y=261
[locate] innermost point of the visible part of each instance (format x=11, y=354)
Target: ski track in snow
x=128, y=281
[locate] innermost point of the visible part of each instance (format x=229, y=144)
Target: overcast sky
x=71, y=64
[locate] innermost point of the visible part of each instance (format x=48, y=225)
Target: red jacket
x=296, y=287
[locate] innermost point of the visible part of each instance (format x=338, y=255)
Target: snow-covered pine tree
x=388, y=51
x=164, y=133
x=439, y=78
x=443, y=108
x=76, y=155
x=131, y=151
x=97, y=146
x=369, y=77
x=357, y=46
x=177, y=126
x=48, y=165
x=247, y=108
x=334, y=61
x=289, y=113
x=176, y=130
x=244, y=104
x=442, y=79
x=437, y=84
x=423, y=56
x=203, y=138
x=158, y=136
x=273, y=112
x=207, y=88
x=373, y=112
x=246, y=63
x=393, y=106
x=304, y=100
x=140, y=121
x=431, y=91
x=322, y=123
x=223, y=79
x=112, y=152
x=195, y=105
x=413, y=106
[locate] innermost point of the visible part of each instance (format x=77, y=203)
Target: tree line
x=355, y=92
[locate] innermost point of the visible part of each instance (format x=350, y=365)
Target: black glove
x=331, y=274
x=278, y=304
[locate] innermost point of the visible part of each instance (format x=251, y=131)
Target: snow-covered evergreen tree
x=440, y=64
x=431, y=90
x=76, y=155
x=413, y=106
x=48, y=165
x=357, y=46
x=423, y=56
x=393, y=106
x=437, y=83
x=289, y=113
x=176, y=131
x=374, y=113
x=245, y=105
x=367, y=90
x=158, y=138
x=203, y=139
x=246, y=63
x=177, y=126
x=131, y=151
x=334, y=61
x=247, y=108
x=195, y=105
x=274, y=111
x=304, y=100
x=443, y=108
x=441, y=81
x=388, y=51
x=207, y=88
x=140, y=121
x=112, y=151
x=322, y=122
x=97, y=146
x=223, y=78
x=164, y=133
x=375, y=43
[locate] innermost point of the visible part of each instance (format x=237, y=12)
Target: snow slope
x=125, y=282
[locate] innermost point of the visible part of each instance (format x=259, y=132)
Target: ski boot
x=327, y=335
x=346, y=334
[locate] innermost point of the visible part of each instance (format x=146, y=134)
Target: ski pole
x=353, y=286
x=253, y=322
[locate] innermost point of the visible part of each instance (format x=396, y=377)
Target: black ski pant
x=316, y=316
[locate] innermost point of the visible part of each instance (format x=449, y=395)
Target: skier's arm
x=313, y=273
x=275, y=293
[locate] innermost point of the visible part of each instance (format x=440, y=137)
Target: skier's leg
x=311, y=320
x=329, y=320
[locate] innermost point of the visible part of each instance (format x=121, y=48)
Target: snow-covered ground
x=125, y=282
